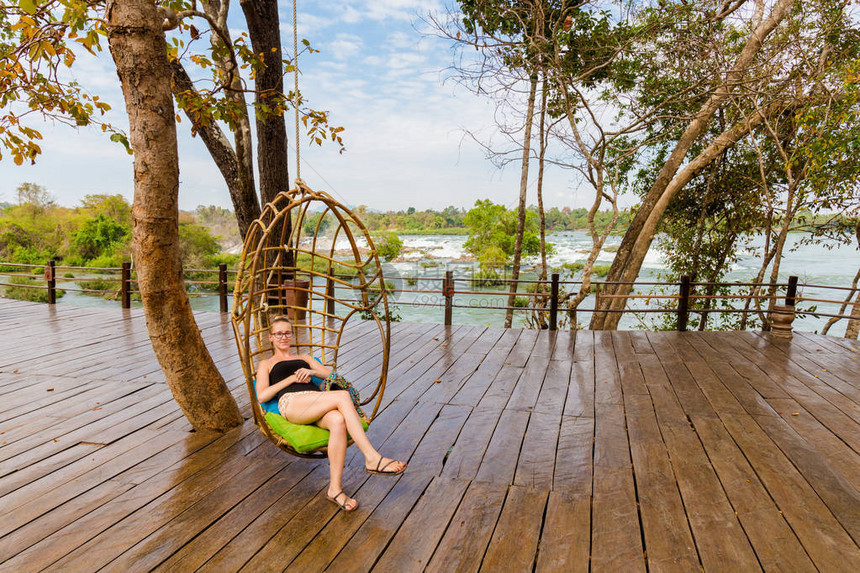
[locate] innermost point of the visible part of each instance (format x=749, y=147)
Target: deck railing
x=545, y=300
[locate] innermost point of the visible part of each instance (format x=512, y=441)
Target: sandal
x=343, y=505
x=382, y=470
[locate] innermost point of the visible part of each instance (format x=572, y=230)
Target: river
x=427, y=257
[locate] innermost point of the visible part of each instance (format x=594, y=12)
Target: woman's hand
x=303, y=375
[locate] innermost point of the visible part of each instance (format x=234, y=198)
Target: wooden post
x=51, y=279
x=448, y=293
x=329, y=295
x=684, y=304
x=791, y=294
x=222, y=285
x=553, y=303
x=125, y=285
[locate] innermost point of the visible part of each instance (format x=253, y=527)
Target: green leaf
x=28, y=6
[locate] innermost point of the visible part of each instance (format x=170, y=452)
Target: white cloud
x=344, y=46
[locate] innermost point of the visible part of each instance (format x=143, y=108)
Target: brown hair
x=279, y=318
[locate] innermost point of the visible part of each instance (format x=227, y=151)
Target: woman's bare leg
x=308, y=408
x=333, y=422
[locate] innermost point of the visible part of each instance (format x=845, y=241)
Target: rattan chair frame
x=286, y=259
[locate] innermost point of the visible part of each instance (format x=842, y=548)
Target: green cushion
x=303, y=438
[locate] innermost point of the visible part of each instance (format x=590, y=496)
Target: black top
x=285, y=369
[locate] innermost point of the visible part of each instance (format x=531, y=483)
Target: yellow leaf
x=19, y=159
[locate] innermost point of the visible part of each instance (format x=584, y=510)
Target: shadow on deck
x=621, y=451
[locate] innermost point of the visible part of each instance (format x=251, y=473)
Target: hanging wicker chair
x=305, y=258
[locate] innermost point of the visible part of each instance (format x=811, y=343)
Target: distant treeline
x=451, y=220
x=97, y=233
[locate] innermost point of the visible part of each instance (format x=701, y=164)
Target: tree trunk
x=541, y=163
x=521, y=211
x=628, y=260
x=240, y=183
x=265, y=33
x=853, y=328
x=139, y=50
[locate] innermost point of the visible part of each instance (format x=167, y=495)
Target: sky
x=380, y=74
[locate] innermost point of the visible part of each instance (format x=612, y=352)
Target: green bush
x=107, y=261
x=99, y=284
x=487, y=277
x=388, y=246
x=600, y=270
x=230, y=259
x=521, y=301
x=99, y=236
x=27, y=292
x=30, y=256
x=572, y=268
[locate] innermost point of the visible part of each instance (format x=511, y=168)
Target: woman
x=287, y=377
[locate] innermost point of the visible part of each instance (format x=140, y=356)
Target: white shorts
x=285, y=400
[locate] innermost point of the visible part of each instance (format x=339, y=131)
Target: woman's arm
x=265, y=392
x=316, y=369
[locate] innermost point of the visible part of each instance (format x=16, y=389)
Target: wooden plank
x=499, y=392
x=403, y=440
x=523, y=349
x=838, y=455
x=270, y=522
x=454, y=371
x=536, y=463
x=473, y=388
x=707, y=507
x=574, y=457
x=119, y=418
x=580, y=394
x=525, y=394
x=325, y=545
x=823, y=538
x=565, y=541
x=554, y=390
x=414, y=543
x=514, y=544
x=500, y=461
x=167, y=476
x=840, y=496
x=616, y=541
x=607, y=383
x=632, y=381
x=584, y=346
x=640, y=341
x=465, y=457
x=197, y=551
x=464, y=543
x=564, y=346
x=668, y=539
x=33, y=532
x=622, y=345
x=88, y=456
x=156, y=547
x=433, y=450
x=365, y=547
x=774, y=541
x=28, y=507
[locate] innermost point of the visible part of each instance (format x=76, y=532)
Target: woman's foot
x=342, y=500
x=385, y=466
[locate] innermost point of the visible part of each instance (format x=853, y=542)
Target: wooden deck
x=623, y=451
